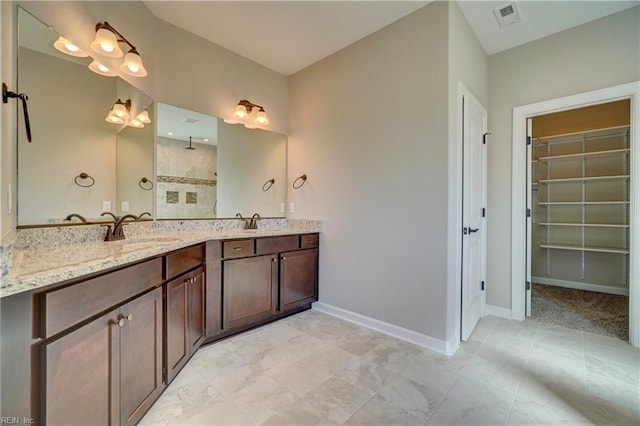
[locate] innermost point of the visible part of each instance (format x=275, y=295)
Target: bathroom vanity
x=100, y=348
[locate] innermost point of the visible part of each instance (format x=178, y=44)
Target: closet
x=580, y=177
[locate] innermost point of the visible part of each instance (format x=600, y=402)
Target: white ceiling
x=179, y=123
x=287, y=36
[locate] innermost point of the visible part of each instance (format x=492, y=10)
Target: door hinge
x=482, y=285
x=528, y=140
x=528, y=212
x=528, y=287
x=484, y=138
x=484, y=212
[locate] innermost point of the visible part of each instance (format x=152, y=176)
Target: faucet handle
x=108, y=236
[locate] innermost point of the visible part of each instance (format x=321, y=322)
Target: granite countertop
x=36, y=266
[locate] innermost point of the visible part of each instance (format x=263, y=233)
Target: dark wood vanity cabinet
x=185, y=319
x=250, y=291
x=108, y=371
x=184, y=307
x=298, y=278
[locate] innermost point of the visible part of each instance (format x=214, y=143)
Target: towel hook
x=6, y=94
x=302, y=178
x=84, y=176
x=143, y=181
x=268, y=184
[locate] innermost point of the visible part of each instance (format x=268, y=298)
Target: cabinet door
x=140, y=355
x=195, y=315
x=298, y=278
x=177, y=349
x=81, y=375
x=249, y=288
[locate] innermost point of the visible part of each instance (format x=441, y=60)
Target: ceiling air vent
x=507, y=14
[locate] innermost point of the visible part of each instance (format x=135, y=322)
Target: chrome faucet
x=253, y=224
x=79, y=216
x=118, y=223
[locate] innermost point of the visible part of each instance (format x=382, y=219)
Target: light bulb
x=135, y=123
x=68, y=48
x=106, y=44
x=132, y=65
x=101, y=69
x=241, y=112
x=262, y=118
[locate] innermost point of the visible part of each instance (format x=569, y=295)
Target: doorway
x=520, y=274
x=578, y=199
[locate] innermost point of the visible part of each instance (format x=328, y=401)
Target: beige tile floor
x=313, y=369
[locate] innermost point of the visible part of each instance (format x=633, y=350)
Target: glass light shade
x=262, y=118
x=143, y=117
x=120, y=110
x=133, y=66
x=106, y=44
x=241, y=112
x=65, y=46
x=101, y=69
x=230, y=121
x=113, y=118
x=250, y=126
x=136, y=123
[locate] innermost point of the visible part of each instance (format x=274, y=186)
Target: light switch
x=292, y=207
x=106, y=206
x=124, y=206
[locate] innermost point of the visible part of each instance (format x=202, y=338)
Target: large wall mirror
x=207, y=168
x=78, y=162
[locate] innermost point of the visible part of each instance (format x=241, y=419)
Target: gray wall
x=369, y=126
x=595, y=55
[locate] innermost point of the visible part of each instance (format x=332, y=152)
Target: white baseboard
x=498, y=311
x=581, y=286
x=438, y=345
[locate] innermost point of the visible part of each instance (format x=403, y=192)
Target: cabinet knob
x=284, y=258
x=238, y=248
x=121, y=322
x=129, y=317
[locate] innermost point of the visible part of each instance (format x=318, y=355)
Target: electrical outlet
x=282, y=208
x=106, y=206
x=292, y=207
x=124, y=206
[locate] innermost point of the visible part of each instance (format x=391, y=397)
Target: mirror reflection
x=207, y=168
x=78, y=162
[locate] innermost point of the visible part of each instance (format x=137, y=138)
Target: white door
x=474, y=130
x=528, y=213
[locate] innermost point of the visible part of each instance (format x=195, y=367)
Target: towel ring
x=143, y=181
x=302, y=178
x=84, y=176
x=268, y=184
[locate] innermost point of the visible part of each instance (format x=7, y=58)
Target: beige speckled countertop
x=34, y=266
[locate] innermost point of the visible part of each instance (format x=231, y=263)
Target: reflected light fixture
x=65, y=46
x=119, y=113
x=136, y=123
x=106, y=44
x=101, y=69
x=143, y=117
x=244, y=109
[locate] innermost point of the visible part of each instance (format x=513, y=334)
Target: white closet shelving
x=581, y=206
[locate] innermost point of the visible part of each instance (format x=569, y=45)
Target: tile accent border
x=498, y=311
x=186, y=180
x=428, y=342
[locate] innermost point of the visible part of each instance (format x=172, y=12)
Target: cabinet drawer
x=276, y=244
x=184, y=260
x=237, y=248
x=309, y=240
x=63, y=308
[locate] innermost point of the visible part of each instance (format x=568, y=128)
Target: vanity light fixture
x=136, y=123
x=243, y=110
x=143, y=117
x=106, y=44
x=66, y=47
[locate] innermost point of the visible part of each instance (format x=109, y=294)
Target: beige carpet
x=599, y=313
